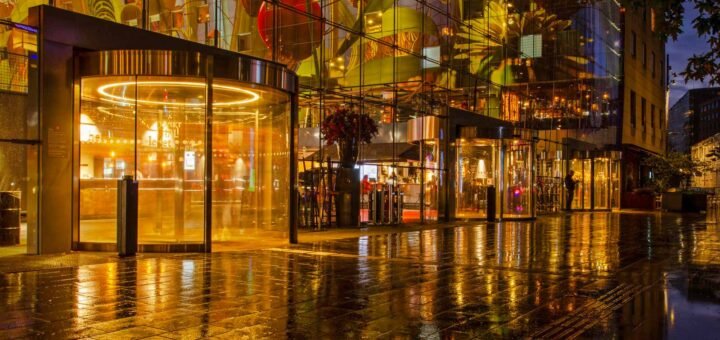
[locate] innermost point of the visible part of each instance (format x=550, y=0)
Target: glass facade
x=157, y=129
x=549, y=66
x=495, y=173
x=19, y=140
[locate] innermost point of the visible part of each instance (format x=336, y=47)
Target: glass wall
x=477, y=170
x=250, y=164
x=151, y=128
x=518, y=179
x=582, y=175
x=155, y=128
x=19, y=139
x=505, y=164
x=597, y=178
x=552, y=66
x=601, y=183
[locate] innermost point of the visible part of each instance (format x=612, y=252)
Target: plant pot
x=347, y=201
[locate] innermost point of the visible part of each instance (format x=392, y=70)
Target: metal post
x=127, y=216
x=293, y=228
x=208, y=154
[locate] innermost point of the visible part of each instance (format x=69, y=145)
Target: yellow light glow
x=88, y=129
x=103, y=90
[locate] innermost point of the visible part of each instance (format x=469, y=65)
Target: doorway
x=210, y=150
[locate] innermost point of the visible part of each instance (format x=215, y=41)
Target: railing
x=13, y=72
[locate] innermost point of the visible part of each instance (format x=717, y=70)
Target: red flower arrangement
x=348, y=129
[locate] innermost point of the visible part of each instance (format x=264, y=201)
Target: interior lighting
x=105, y=90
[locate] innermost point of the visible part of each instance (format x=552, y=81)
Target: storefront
x=597, y=175
x=199, y=144
x=494, y=165
x=206, y=133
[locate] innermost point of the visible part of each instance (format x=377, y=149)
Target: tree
x=703, y=66
x=673, y=169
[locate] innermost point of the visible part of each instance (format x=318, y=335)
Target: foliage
x=703, y=66
x=675, y=167
x=484, y=44
x=347, y=126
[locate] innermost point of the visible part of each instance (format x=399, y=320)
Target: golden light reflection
x=122, y=99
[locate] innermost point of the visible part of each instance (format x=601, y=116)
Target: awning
x=375, y=152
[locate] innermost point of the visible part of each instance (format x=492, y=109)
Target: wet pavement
x=589, y=275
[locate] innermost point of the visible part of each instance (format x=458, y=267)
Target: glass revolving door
x=210, y=154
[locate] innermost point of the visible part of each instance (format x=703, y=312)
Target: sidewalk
x=18, y=262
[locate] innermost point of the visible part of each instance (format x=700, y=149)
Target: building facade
x=709, y=118
x=480, y=104
x=644, y=120
x=710, y=177
x=687, y=117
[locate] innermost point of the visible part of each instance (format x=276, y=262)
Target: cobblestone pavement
x=598, y=275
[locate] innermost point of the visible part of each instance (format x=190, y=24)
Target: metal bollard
x=127, y=216
x=491, y=199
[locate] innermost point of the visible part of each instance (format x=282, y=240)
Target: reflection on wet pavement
x=588, y=274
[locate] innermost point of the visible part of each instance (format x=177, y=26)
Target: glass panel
x=107, y=152
x=251, y=187
x=576, y=167
x=170, y=156
x=518, y=168
x=476, y=171
x=602, y=183
x=615, y=185
x=18, y=162
x=431, y=179
x=18, y=198
x=587, y=183
x=549, y=184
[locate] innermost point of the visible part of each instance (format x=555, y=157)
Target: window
x=644, y=56
x=662, y=119
x=652, y=116
x=652, y=63
x=652, y=19
x=662, y=73
x=633, y=110
x=642, y=113
x=633, y=44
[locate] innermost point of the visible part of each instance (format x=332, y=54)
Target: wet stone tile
x=583, y=274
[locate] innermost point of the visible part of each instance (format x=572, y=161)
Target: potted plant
x=347, y=129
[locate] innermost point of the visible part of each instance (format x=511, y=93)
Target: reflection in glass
x=518, y=178
x=163, y=146
x=170, y=154
x=476, y=172
x=250, y=165
x=601, y=178
x=107, y=152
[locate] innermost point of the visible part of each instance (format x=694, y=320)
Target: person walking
x=570, y=183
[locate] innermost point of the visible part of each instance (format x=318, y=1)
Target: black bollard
x=491, y=203
x=127, y=216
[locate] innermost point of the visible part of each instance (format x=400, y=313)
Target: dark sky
x=687, y=43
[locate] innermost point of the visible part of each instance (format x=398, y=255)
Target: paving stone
x=576, y=275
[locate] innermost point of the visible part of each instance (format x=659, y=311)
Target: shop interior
x=155, y=129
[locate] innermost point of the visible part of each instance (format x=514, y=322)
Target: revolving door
x=208, y=138
x=499, y=160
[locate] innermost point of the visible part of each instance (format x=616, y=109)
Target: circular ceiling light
x=108, y=90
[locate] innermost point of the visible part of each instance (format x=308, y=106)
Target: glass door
x=601, y=183
x=476, y=169
x=518, y=179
